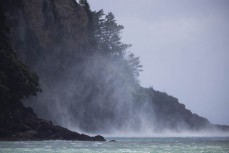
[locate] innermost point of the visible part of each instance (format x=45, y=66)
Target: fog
x=183, y=47
x=95, y=96
x=98, y=97
x=169, y=133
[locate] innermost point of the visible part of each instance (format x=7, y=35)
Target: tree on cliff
x=16, y=80
x=134, y=64
x=107, y=33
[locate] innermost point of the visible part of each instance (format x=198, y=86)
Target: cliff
x=47, y=31
x=88, y=80
x=31, y=27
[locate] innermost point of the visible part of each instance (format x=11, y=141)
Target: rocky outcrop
x=22, y=124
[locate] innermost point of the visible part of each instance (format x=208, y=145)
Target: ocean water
x=122, y=145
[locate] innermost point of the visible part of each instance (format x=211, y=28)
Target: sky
x=183, y=46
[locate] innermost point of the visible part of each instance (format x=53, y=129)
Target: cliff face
x=47, y=31
x=51, y=37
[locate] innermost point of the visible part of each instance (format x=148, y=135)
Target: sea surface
x=122, y=145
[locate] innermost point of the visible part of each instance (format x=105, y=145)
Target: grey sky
x=183, y=46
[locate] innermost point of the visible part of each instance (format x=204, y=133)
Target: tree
x=107, y=34
x=98, y=20
x=134, y=64
x=108, y=41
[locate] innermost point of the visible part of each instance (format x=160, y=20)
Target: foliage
x=105, y=33
x=134, y=63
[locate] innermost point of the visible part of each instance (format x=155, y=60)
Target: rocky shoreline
x=22, y=124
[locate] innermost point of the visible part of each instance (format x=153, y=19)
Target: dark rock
x=224, y=128
x=22, y=124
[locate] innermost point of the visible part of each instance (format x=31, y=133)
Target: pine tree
x=134, y=64
x=108, y=34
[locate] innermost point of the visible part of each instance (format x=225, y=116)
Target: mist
x=94, y=96
x=99, y=96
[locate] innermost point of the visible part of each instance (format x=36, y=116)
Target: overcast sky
x=183, y=46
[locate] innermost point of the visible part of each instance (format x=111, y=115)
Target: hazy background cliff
x=88, y=76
